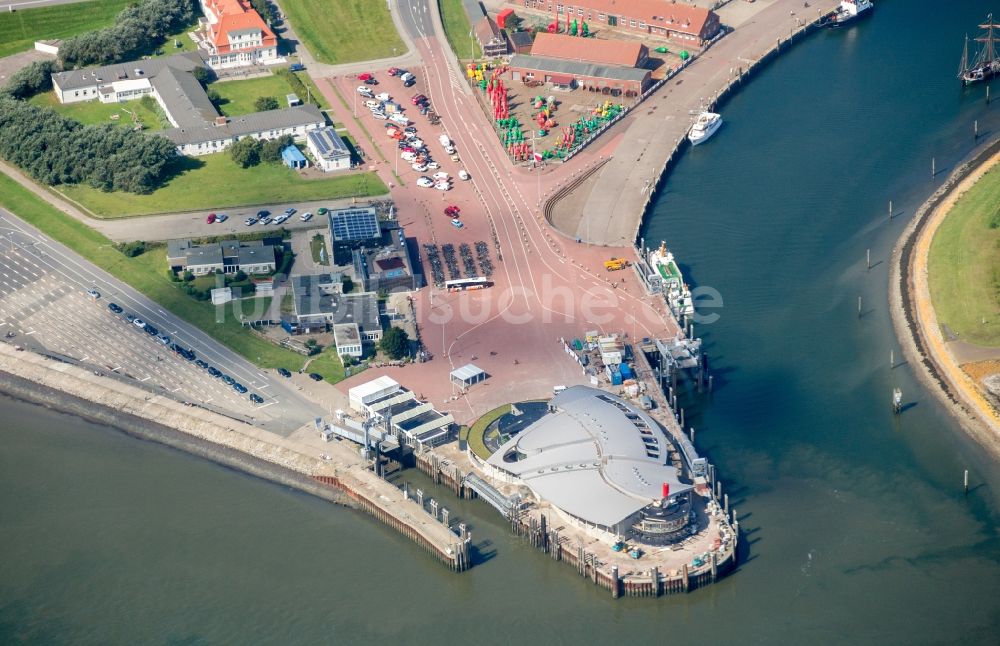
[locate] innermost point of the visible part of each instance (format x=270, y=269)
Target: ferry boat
x=986, y=64
x=704, y=127
x=675, y=291
x=847, y=12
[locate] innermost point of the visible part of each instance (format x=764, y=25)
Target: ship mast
x=964, y=65
x=988, y=53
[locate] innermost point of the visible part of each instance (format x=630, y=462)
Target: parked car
x=383, y=96
x=296, y=67
x=418, y=99
x=164, y=339
x=452, y=211
x=266, y=220
x=250, y=221
x=139, y=323
x=440, y=175
x=407, y=77
x=263, y=213
x=457, y=224
x=93, y=293
x=151, y=331
x=210, y=219
x=305, y=217
x=395, y=71
x=463, y=174
x=364, y=90
x=425, y=182
x=443, y=186
x=280, y=219
x=409, y=82
x=201, y=363
x=115, y=307
x=315, y=376
x=220, y=218
x=450, y=150
x=417, y=166
x=290, y=211
x=381, y=116
x=372, y=104
x=255, y=398
x=397, y=117
x=365, y=76
x=284, y=372
x=433, y=165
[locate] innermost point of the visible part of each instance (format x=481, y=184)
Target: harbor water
x=856, y=528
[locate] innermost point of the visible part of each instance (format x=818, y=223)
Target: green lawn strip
x=361, y=125
x=314, y=94
x=146, y=273
x=964, y=265
x=216, y=182
x=478, y=429
x=346, y=31
x=318, y=245
x=170, y=44
x=457, y=28
x=327, y=364
x=20, y=30
x=237, y=97
x=97, y=113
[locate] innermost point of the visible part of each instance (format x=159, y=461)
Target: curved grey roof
x=596, y=457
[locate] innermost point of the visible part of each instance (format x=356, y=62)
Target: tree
x=266, y=103
x=246, y=152
x=239, y=276
x=188, y=276
x=395, y=343
x=263, y=8
x=30, y=80
x=201, y=74
x=270, y=151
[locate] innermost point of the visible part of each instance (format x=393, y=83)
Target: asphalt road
x=38, y=258
x=31, y=4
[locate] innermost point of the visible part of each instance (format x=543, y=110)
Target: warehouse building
x=606, y=79
x=603, y=465
x=659, y=18
x=590, y=50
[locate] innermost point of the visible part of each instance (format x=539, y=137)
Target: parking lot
x=45, y=306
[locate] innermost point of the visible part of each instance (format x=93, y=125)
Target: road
x=55, y=276
x=31, y=4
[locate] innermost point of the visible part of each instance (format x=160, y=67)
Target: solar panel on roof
x=354, y=224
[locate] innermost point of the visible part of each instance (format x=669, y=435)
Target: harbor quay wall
x=71, y=389
x=717, y=100
x=651, y=583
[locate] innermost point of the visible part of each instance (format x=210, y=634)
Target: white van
x=558, y=389
x=406, y=77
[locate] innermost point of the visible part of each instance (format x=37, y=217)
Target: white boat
x=847, y=12
x=675, y=291
x=704, y=127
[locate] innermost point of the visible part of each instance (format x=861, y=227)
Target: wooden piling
x=966, y=482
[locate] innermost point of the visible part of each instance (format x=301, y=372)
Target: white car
x=305, y=217
x=281, y=218
x=441, y=175
x=367, y=91
x=463, y=175
x=380, y=115
x=371, y=104
x=383, y=96
x=425, y=182
x=399, y=118
x=416, y=142
x=139, y=323
x=417, y=166
x=408, y=157
x=433, y=165
x=450, y=150
x=443, y=186
x=93, y=293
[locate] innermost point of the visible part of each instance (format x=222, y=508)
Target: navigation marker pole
x=975, y=130
x=859, y=307
x=933, y=168
x=868, y=255
x=966, y=482
x=890, y=210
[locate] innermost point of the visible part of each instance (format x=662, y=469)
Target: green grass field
x=95, y=112
x=964, y=265
x=146, y=273
x=20, y=30
x=328, y=364
x=346, y=31
x=478, y=429
x=237, y=97
x=457, y=28
x=215, y=182
x=319, y=253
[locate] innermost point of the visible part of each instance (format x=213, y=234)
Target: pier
x=606, y=205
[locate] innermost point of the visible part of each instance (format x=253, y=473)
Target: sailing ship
x=847, y=12
x=986, y=64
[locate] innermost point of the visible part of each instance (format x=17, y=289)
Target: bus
x=467, y=284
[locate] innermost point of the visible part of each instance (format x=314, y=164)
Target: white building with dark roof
x=198, y=129
x=602, y=464
x=328, y=149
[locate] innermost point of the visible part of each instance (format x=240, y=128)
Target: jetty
x=607, y=205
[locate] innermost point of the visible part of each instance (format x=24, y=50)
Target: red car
x=420, y=98
x=210, y=219
x=452, y=211
x=393, y=71
x=365, y=77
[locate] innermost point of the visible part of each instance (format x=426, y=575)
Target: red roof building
x=590, y=50
x=663, y=18
x=235, y=35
